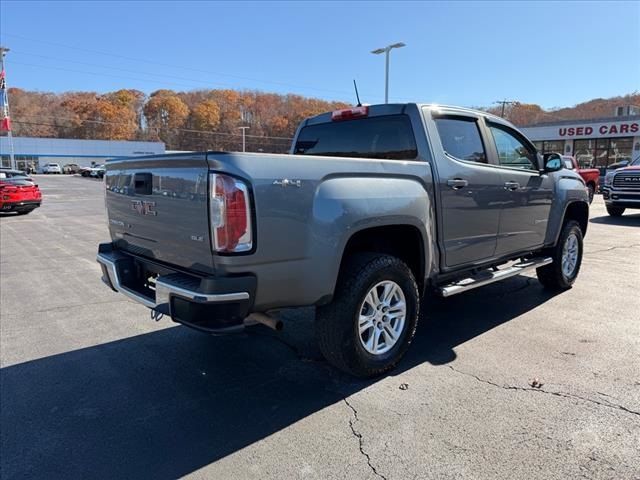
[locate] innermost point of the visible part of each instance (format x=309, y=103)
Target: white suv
x=51, y=168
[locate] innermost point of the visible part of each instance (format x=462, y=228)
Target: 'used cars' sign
x=595, y=130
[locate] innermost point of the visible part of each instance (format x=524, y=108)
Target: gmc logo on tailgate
x=143, y=207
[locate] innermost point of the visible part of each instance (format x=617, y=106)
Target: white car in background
x=97, y=171
x=52, y=168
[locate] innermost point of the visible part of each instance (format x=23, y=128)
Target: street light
x=386, y=51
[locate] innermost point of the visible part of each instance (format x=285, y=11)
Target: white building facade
x=594, y=143
x=37, y=152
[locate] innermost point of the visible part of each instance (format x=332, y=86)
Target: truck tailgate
x=158, y=208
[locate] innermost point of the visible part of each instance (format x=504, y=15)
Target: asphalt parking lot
x=92, y=387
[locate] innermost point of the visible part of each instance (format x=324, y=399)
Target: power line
x=138, y=60
x=505, y=102
x=349, y=93
x=186, y=130
x=98, y=74
x=206, y=82
x=261, y=141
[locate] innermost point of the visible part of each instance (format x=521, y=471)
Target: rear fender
x=345, y=206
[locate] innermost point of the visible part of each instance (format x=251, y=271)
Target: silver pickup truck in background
x=621, y=189
x=375, y=206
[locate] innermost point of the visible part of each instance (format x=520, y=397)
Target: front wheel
x=592, y=191
x=370, y=323
x=615, y=211
x=567, y=258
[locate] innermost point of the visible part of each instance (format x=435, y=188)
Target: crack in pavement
x=606, y=403
x=66, y=307
x=611, y=248
x=358, y=435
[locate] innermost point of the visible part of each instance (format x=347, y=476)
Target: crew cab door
x=527, y=192
x=470, y=189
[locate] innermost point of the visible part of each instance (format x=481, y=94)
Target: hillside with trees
x=522, y=114
x=200, y=119
x=210, y=119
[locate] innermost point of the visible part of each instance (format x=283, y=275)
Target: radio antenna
x=357, y=96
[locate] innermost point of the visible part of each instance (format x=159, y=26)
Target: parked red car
x=591, y=176
x=19, y=195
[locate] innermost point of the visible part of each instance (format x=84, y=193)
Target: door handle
x=457, y=183
x=511, y=185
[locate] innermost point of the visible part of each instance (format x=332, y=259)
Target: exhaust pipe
x=264, y=319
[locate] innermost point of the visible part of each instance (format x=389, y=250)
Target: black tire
x=337, y=329
x=615, y=211
x=551, y=276
x=592, y=191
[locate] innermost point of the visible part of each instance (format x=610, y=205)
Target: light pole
x=386, y=51
x=244, y=129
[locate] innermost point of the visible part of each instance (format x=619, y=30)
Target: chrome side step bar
x=489, y=276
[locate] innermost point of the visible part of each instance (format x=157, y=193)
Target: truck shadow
x=164, y=404
x=625, y=220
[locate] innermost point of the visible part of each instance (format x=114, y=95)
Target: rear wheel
x=567, y=258
x=370, y=323
x=615, y=211
x=592, y=191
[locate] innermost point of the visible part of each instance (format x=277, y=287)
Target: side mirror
x=552, y=162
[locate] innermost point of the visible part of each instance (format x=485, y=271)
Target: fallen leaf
x=535, y=383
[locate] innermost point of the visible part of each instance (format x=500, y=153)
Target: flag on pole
x=5, y=124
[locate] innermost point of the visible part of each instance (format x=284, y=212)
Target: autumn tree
x=206, y=115
x=165, y=112
x=209, y=119
x=80, y=108
x=35, y=114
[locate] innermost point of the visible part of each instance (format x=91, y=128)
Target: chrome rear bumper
x=165, y=288
x=214, y=304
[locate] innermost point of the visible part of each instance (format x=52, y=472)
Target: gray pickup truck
x=374, y=207
x=621, y=189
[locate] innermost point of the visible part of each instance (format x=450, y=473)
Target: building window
x=584, y=151
x=620, y=149
x=602, y=152
x=22, y=162
x=550, y=146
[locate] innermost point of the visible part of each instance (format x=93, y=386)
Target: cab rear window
x=389, y=137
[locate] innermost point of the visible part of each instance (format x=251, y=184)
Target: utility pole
x=504, y=103
x=244, y=129
x=386, y=51
x=6, y=118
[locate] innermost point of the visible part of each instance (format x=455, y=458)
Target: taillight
x=349, y=113
x=230, y=214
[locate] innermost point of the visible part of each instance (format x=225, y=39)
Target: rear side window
x=461, y=139
x=389, y=137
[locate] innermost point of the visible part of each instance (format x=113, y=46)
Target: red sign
x=606, y=129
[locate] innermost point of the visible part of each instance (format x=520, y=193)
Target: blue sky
x=465, y=53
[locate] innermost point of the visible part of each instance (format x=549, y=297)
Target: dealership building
x=594, y=143
x=37, y=152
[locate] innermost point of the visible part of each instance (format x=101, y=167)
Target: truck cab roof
x=400, y=108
